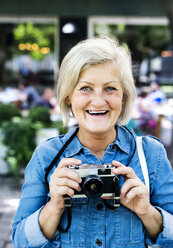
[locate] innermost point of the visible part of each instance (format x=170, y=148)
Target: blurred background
x=34, y=38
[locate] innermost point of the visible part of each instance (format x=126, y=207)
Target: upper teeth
x=96, y=112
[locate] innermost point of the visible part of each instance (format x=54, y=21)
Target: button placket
x=113, y=147
x=98, y=242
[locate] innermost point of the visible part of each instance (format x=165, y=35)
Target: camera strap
x=58, y=155
x=54, y=161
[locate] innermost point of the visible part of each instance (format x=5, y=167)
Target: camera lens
x=93, y=186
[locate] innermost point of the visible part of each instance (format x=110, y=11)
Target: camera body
x=97, y=180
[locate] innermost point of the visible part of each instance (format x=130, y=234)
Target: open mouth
x=97, y=113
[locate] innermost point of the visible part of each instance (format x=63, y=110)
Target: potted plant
x=7, y=112
x=19, y=136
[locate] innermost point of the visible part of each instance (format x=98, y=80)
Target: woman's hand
x=64, y=181
x=133, y=193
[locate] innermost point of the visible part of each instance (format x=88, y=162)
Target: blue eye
x=85, y=88
x=109, y=89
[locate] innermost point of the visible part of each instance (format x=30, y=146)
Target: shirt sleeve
x=162, y=196
x=33, y=232
x=165, y=238
x=36, y=238
x=26, y=230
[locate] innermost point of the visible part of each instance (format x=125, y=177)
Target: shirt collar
x=122, y=141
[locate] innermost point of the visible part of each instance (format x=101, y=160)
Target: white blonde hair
x=91, y=52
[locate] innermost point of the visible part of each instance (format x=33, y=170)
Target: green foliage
x=141, y=38
x=60, y=127
x=156, y=38
x=19, y=137
x=41, y=35
x=7, y=112
x=19, y=133
x=40, y=114
x=30, y=32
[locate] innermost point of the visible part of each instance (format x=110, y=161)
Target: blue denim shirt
x=94, y=225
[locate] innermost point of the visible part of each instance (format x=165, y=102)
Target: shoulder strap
x=56, y=158
x=143, y=161
x=58, y=155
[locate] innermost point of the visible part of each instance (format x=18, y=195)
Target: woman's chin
x=97, y=129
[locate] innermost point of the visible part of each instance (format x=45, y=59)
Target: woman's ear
x=67, y=100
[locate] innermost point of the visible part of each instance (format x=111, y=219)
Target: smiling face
x=96, y=101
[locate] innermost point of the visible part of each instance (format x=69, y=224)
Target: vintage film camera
x=97, y=181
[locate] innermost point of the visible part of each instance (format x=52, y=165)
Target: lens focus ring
x=93, y=186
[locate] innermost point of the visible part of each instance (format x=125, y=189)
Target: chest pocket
x=128, y=228
x=75, y=237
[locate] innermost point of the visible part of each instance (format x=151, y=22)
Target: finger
x=127, y=172
x=67, y=173
x=65, y=162
x=134, y=192
x=127, y=186
x=69, y=183
x=116, y=163
x=65, y=190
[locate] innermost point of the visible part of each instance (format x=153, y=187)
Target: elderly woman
x=96, y=85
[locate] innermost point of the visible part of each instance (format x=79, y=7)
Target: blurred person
x=30, y=92
x=11, y=94
x=96, y=84
x=141, y=105
x=47, y=99
x=143, y=112
x=156, y=95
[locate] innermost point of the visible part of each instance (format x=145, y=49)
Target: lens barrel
x=93, y=186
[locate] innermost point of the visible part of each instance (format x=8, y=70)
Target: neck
x=96, y=143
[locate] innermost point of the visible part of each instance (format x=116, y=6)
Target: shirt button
x=99, y=242
x=99, y=206
x=113, y=147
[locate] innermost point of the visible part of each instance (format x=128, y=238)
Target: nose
x=98, y=99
